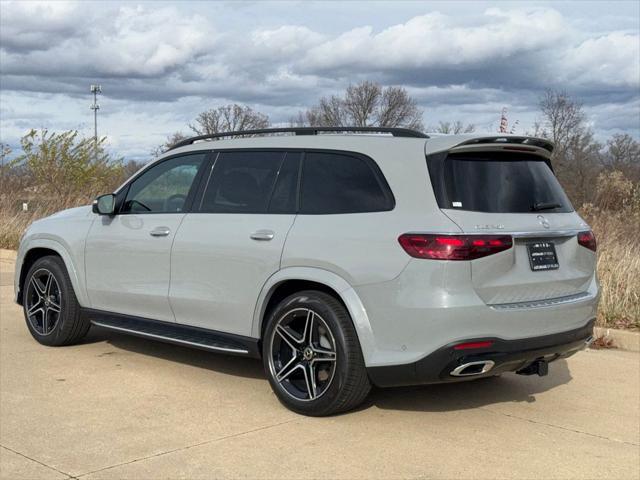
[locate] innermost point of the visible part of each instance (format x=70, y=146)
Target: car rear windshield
x=499, y=183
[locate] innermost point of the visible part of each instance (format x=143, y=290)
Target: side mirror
x=104, y=204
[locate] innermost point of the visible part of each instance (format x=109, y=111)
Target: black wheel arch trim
x=31, y=256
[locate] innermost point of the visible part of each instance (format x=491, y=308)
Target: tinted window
x=338, y=183
x=242, y=182
x=164, y=187
x=284, y=196
x=502, y=183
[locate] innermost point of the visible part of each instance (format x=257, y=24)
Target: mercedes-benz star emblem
x=543, y=221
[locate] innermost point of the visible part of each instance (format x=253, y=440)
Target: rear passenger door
x=231, y=244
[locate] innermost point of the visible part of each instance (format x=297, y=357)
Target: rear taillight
x=587, y=239
x=453, y=247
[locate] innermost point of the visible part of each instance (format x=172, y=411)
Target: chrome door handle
x=262, y=235
x=160, y=232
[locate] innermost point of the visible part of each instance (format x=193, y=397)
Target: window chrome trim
x=547, y=233
x=507, y=233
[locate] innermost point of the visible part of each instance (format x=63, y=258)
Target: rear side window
x=243, y=182
x=500, y=183
x=285, y=192
x=340, y=183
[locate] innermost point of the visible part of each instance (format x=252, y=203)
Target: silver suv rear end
x=510, y=285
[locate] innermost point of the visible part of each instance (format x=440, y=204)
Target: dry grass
x=14, y=221
x=618, y=235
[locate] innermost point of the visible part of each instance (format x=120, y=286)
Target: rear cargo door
x=518, y=194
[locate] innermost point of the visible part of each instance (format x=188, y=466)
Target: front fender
x=348, y=295
x=44, y=241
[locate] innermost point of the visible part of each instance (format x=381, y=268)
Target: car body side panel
x=363, y=248
x=128, y=269
x=65, y=233
x=217, y=269
x=332, y=280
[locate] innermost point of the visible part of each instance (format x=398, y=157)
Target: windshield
x=501, y=183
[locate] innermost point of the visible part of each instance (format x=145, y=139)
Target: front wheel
x=51, y=309
x=312, y=356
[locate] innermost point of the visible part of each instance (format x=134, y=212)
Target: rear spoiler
x=534, y=145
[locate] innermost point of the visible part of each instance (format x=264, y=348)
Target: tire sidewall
x=67, y=304
x=314, y=302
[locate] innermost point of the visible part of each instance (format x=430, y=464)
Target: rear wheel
x=312, y=355
x=51, y=310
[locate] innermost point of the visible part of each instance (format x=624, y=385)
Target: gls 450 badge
x=497, y=226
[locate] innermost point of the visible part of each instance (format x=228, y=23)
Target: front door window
x=165, y=187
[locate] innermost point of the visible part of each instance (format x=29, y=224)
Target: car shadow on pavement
x=426, y=398
x=470, y=394
x=227, y=364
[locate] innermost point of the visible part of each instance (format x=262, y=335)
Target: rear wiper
x=536, y=207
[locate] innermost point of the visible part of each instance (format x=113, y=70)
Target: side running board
x=178, y=334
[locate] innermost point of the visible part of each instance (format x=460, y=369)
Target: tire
x=51, y=310
x=312, y=355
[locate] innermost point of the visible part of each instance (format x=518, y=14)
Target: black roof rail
x=396, y=132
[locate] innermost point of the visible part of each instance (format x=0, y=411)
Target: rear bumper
x=434, y=304
x=506, y=355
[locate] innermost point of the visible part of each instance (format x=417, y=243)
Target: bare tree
x=576, y=155
x=454, y=128
x=229, y=118
x=623, y=154
x=579, y=167
x=171, y=140
x=366, y=104
x=563, y=118
x=226, y=118
x=131, y=167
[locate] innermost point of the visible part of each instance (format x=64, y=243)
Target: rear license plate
x=542, y=256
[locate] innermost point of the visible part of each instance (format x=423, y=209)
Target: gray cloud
x=153, y=59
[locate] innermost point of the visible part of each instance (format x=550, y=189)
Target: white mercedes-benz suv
x=342, y=257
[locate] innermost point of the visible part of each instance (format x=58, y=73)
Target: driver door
x=127, y=256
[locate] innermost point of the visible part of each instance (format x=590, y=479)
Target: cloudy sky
x=160, y=63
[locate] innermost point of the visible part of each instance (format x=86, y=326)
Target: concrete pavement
x=123, y=407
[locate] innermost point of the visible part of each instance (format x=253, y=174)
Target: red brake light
x=453, y=247
x=587, y=239
x=473, y=345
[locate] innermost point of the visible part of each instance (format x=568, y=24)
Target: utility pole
x=95, y=89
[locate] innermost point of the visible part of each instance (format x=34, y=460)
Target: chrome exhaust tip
x=472, y=368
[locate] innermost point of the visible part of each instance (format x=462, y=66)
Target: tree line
x=64, y=163
x=366, y=104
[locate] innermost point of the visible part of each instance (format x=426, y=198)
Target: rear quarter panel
x=363, y=248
